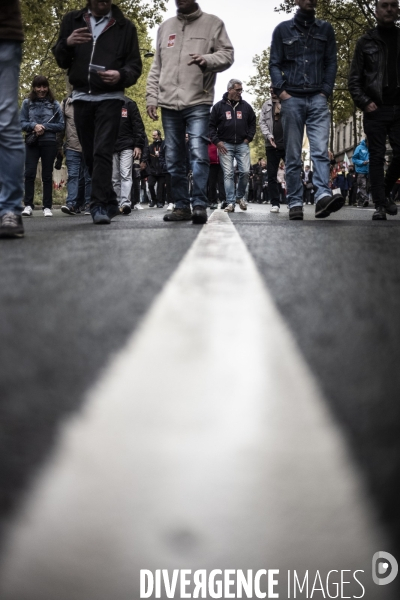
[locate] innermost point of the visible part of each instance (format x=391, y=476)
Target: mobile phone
x=96, y=68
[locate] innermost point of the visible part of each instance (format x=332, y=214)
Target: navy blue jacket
x=303, y=65
x=232, y=123
x=39, y=112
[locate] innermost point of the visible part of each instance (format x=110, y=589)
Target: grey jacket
x=172, y=83
x=266, y=122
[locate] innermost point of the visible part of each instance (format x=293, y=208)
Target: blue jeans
x=242, y=154
x=312, y=112
x=78, y=175
x=12, y=151
x=194, y=121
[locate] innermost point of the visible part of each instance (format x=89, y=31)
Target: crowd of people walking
x=205, y=156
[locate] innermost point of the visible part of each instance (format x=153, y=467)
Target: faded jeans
x=12, y=152
x=76, y=172
x=313, y=113
x=194, y=121
x=122, y=175
x=242, y=154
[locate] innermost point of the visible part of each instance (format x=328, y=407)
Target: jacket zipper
x=91, y=61
x=180, y=52
x=110, y=24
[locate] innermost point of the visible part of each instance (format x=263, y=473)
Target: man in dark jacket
x=157, y=170
x=100, y=49
x=128, y=147
x=374, y=86
x=12, y=152
x=303, y=67
x=232, y=128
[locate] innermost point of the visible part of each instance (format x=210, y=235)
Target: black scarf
x=304, y=19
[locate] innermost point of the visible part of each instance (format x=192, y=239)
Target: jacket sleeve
x=132, y=69
x=275, y=62
x=330, y=64
x=263, y=122
x=251, y=132
x=57, y=124
x=26, y=125
x=360, y=98
x=214, y=125
x=64, y=54
x=153, y=79
x=137, y=125
x=222, y=56
x=356, y=157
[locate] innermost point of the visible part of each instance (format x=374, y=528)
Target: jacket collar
x=225, y=98
x=374, y=35
x=192, y=17
x=116, y=14
x=317, y=22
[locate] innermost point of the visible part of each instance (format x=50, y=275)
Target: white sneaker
x=242, y=204
x=229, y=208
x=139, y=206
x=170, y=206
x=47, y=212
x=27, y=212
x=274, y=209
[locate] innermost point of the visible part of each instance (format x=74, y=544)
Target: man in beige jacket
x=191, y=49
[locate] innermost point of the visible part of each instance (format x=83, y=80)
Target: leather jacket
x=368, y=73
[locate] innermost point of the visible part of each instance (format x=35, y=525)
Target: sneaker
x=213, y=206
x=365, y=204
x=139, y=206
x=242, y=203
x=379, y=214
x=160, y=205
x=170, y=206
x=265, y=202
x=223, y=205
x=391, y=206
x=11, y=226
x=68, y=209
x=100, y=216
x=47, y=212
x=179, y=214
x=126, y=209
x=274, y=209
x=87, y=210
x=230, y=208
x=78, y=210
x=151, y=205
x=327, y=205
x=199, y=215
x=296, y=213
x=27, y=212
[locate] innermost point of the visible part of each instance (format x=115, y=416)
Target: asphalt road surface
x=72, y=295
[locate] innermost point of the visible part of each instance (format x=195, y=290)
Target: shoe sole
x=379, y=218
x=334, y=205
x=199, y=220
x=243, y=207
x=67, y=211
x=126, y=210
x=391, y=211
x=296, y=218
x=11, y=234
x=25, y=215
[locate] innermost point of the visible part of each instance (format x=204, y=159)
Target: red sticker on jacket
x=124, y=112
x=228, y=114
x=171, y=40
x=239, y=114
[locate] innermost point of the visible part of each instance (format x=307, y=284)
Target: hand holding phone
x=79, y=36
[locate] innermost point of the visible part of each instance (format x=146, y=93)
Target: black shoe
x=126, y=209
x=151, y=205
x=69, y=209
x=78, y=210
x=328, y=205
x=296, y=213
x=86, y=210
x=113, y=211
x=199, y=216
x=379, y=214
x=11, y=226
x=224, y=204
x=365, y=204
x=213, y=206
x=391, y=206
x=160, y=205
x=178, y=214
x=100, y=216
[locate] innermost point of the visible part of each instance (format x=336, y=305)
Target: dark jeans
x=47, y=153
x=383, y=121
x=274, y=157
x=158, y=198
x=257, y=192
x=216, y=182
x=97, y=124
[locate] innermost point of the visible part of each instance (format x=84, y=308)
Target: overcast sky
x=249, y=24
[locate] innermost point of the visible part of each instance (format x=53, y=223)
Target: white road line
x=206, y=443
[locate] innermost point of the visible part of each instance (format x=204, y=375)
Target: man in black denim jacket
x=303, y=67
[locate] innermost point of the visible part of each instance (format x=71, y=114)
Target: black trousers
x=274, y=157
x=216, y=182
x=97, y=125
x=158, y=180
x=385, y=121
x=48, y=155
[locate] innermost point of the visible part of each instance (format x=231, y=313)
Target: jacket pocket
x=289, y=48
x=320, y=42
